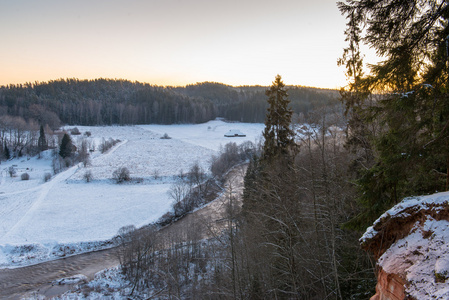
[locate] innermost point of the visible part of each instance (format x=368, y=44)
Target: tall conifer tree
x=42, y=141
x=277, y=134
x=409, y=112
x=65, y=150
x=6, y=152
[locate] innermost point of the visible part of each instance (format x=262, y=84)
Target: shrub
x=6, y=152
x=125, y=232
x=166, y=219
x=88, y=133
x=12, y=171
x=121, y=174
x=83, y=152
x=230, y=156
x=68, y=162
x=25, y=176
x=138, y=179
x=165, y=137
x=47, y=177
x=107, y=144
x=88, y=176
x=156, y=174
x=75, y=131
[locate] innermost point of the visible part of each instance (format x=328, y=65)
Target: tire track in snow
x=36, y=188
x=45, y=189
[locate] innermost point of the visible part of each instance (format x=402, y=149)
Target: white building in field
x=234, y=133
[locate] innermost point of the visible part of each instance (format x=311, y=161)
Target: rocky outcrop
x=411, y=245
x=389, y=286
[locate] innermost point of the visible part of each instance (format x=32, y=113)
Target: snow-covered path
x=43, y=191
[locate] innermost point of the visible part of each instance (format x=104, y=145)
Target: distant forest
x=122, y=102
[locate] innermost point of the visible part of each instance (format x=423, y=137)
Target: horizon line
x=37, y=82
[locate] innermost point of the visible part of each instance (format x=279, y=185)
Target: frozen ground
x=37, y=218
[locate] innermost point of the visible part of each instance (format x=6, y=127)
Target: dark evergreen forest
x=116, y=101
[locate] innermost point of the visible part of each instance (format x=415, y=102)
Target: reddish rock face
x=411, y=245
x=389, y=287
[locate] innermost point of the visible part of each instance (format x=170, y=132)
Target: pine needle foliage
x=42, y=141
x=279, y=137
x=65, y=150
x=399, y=113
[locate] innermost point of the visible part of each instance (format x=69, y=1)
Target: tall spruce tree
x=6, y=152
x=42, y=141
x=65, y=150
x=279, y=137
x=277, y=148
x=269, y=204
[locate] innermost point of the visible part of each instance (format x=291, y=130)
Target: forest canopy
x=117, y=101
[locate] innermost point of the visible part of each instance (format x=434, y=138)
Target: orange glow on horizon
x=172, y=43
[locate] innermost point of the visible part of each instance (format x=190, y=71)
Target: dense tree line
x=248, y=103
x=297, y=195
x=102, y=102
x=106, y=102
x=286, y=242
x=20, y=137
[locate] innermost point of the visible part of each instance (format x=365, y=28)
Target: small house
x=234, y=133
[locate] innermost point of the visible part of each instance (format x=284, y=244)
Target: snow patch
x=13, y=256
x=422, y=256
x=38, y=218
x=80, y=278
x=108, y=282
x=434, y=201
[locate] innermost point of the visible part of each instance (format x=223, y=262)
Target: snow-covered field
x=37, y=217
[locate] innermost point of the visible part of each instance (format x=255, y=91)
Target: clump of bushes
x=75, y=131
x=107, y=144
x=121, y=175
x=190, y=191
x=231, y=155
x=25, y=176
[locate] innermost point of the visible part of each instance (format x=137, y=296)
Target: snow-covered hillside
x=66, y=210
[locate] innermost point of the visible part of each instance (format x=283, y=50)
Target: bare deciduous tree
x=178, y=192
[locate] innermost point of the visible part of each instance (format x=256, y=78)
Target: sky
x=173, y=42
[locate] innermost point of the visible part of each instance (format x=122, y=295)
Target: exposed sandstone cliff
x=411, y=245
x=389, y=286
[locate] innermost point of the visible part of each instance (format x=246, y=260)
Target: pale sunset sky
x=173, y=42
